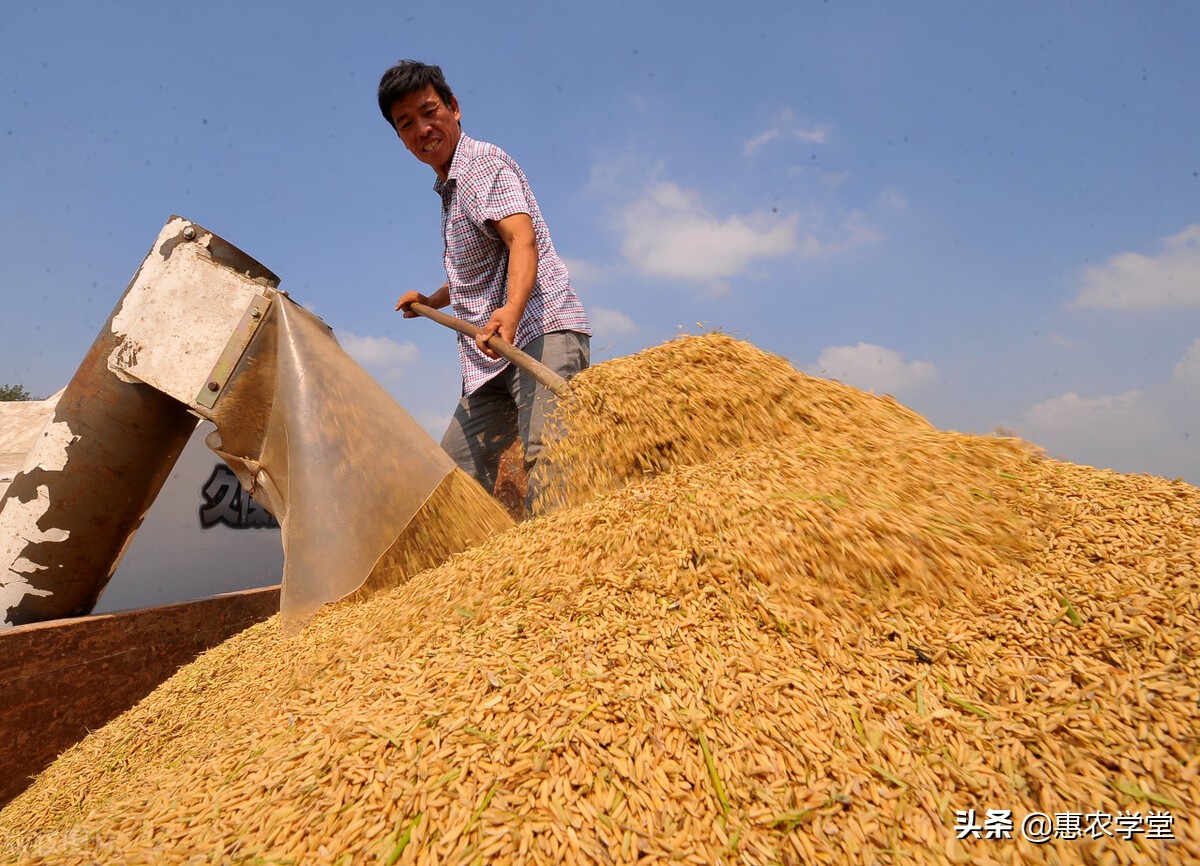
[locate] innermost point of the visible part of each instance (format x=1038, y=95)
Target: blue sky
x=989, y=210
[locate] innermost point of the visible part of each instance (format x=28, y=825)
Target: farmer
x=503, y=275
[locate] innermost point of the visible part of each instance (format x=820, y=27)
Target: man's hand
x=407, y=300
x=437, y=300
x=503, y=322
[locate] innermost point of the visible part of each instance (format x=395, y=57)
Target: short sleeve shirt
x=484, y=184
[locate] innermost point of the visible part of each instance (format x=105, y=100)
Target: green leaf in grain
x=966, y=705
x=575, y=721
x=402, y=842
x=788, y=821
x=894, y=779
x=446, y=778
x=713, y=774
x=858, y=726
x=1069, y=611
x=1139, y=793
x=481, y=808
x=476, y=732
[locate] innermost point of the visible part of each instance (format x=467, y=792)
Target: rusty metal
x=68, y=677
x=222, y=253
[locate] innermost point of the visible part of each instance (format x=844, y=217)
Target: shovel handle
x=497, y=344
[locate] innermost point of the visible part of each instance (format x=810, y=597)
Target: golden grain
x=874, y=623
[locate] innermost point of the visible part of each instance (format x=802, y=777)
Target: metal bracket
x=254, y=316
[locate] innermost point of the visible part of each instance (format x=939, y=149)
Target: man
x=503, y=275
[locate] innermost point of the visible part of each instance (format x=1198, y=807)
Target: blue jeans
x=509, y=405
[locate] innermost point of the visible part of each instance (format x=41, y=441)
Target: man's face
x=428, y=127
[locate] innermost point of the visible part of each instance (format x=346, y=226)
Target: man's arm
x=439, y=299
x=517, y=233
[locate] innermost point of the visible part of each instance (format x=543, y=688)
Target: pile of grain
x=694, y=399
x=776, y=620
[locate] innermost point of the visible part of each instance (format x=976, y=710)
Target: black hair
x=409, y=76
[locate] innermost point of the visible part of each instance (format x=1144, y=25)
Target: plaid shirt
x=484, y=184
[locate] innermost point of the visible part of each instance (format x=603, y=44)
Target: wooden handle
x=499, y=345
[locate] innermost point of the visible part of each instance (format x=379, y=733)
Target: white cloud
x=853, y=232
x=378, y=351
x=1153, y=429
x=1065, y=342
x=891, y=199
x=1187, y=371
x=785, y=125
x=613, y=173
x=830, y=179
x=435, y=423
x=611, y=322
x=669, y=233
x=875, y=368
x=583, y=273
x=1133, y=281
x=1070, y=410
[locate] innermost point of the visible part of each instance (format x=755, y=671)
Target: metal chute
x=203, y=332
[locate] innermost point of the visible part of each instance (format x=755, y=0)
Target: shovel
x=556, y=383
